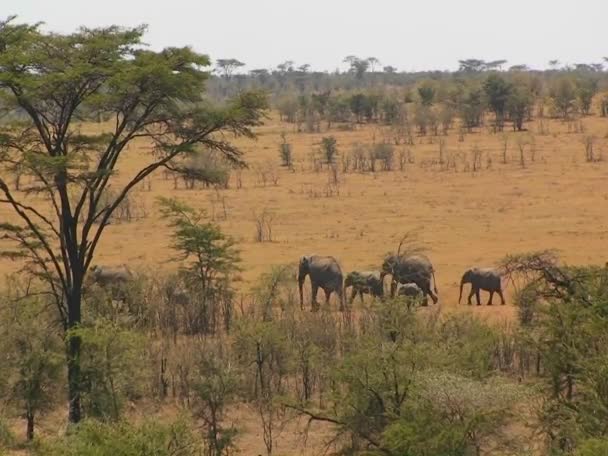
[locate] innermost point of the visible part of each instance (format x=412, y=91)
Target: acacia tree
x=227, y=66
x=53, y=83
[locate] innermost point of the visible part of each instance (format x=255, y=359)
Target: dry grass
x=463, y=218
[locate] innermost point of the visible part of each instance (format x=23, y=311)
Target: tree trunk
x=29, y=415
x=74, y=343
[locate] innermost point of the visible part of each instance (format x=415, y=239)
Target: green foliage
x=329, y=149
x=32, y=356
x=593, y=447
x=426, y=92
x=94, y=438
x=216, y=387
x=212, y=256
x=7, y=439
x=285, y=152
x=498, y=92
x=563, y=95
x=586, y=88
x=113, y=368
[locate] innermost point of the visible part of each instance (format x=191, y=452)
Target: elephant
x=364, y=282
x=104, y=275
x=113, y=278
x=410, y=269
x=487, y=279
x=412, y=292
x=325, y=273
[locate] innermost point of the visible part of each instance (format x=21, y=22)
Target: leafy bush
x=94, y=438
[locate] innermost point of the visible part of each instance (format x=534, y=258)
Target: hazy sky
x=410, y=35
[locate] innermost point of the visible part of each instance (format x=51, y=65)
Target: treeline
x=429, y=101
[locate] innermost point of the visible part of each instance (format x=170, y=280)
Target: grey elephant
x=410, y=269
x=325, y=273
x=364, y=282
x=412, y=293
x=104, y=275
x=113, y=278
x=487, y=279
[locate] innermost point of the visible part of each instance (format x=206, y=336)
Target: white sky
x=410, y=35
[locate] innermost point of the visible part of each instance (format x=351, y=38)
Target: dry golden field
x=462, y=217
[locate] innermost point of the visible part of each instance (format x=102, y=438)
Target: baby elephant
x=367, y=282
x=413, y=292
x=487, y=279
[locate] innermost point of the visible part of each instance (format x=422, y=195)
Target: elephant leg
x=361, y=295
x=327, y=296
x=502, y=298
x=426, y=289
x=315, y=290
x=340, y=293
x=353, y=295
x=477, y=296
x=393, y=288
x=491, y=296
x=471, y=293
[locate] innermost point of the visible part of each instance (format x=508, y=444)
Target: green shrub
x=94, y=438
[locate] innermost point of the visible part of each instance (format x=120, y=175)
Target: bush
x=93, y=438
x=7, y=438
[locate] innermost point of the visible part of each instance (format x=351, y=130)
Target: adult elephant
x=115, y=279
x=487, y=279
x=364, y=282
x=325, y=273
x=410, y=269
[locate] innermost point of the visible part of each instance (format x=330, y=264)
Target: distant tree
x=519, y=68
x=358, y=66
x=471, y=107
x=554, y=64
x=597, y=67
x=426, y=92
x=563, y=93
x=285, y=152
x=494, y=65
x=329, y=149
x=518, y=104
x=360, y=106
x=373, y=63
x=389, y=69
x=472, y=65
x=586, y=88
x=261, y=74
x=227, y=66
x=286, y=67
x=58, y=81
x=304, y=68
x=497, y=91
x=288, y=108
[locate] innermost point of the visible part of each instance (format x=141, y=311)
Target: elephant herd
x=411, y=277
